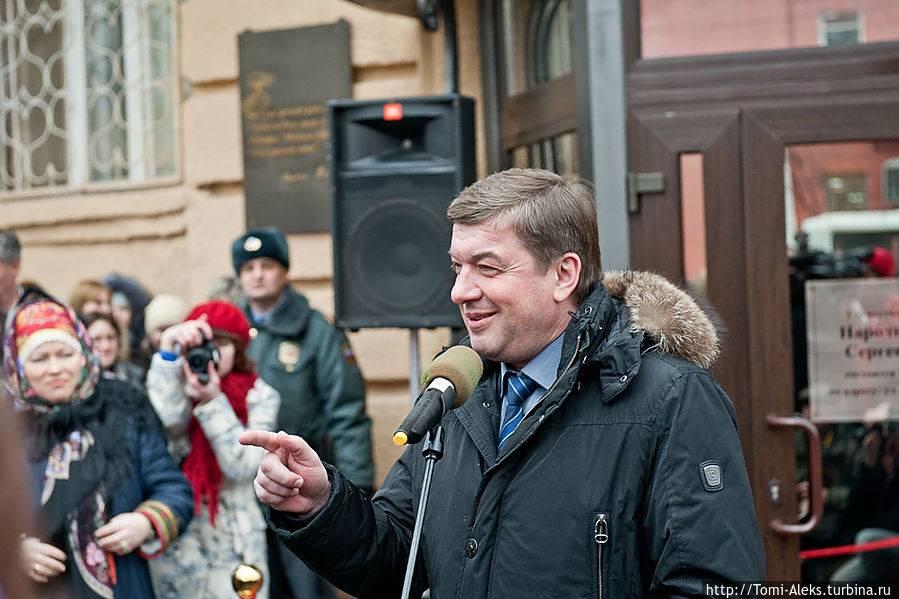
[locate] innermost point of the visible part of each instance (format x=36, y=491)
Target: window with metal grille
x=88, y=92
x=846, y=192
x=840, y=28
x=891, y=182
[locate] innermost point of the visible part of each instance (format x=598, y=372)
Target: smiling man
x=597, y=457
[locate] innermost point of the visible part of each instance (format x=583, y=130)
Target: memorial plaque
x=286, y=78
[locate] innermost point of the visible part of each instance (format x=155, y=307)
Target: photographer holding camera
x=206, y=392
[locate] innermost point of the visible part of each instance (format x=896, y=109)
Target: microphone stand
x=432, y=451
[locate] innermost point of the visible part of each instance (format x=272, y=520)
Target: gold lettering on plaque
x=284, y=132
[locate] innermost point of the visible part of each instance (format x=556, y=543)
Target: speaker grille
x=401, y=242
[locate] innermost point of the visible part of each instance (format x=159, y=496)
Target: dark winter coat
x=608, y=488
x=154, y=477
x=310, y=364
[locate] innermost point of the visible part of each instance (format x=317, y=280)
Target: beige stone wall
x=175, y=237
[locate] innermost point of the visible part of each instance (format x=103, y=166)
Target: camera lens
x=199, y=357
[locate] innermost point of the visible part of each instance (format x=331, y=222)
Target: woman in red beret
x=204, y=407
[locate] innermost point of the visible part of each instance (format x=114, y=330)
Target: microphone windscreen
x=461, y=365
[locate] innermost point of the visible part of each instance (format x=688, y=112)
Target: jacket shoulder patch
x=712, y=475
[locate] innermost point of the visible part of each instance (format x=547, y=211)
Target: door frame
x=741, y=111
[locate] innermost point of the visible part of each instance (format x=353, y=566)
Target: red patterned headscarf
x=30, y=326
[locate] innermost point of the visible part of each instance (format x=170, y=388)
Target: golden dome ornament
x=246, y=580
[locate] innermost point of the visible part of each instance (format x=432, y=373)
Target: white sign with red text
x=853, y=349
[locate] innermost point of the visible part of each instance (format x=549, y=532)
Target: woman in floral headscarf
x=110, y=495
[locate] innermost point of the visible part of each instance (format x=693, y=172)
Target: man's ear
x=567, y=274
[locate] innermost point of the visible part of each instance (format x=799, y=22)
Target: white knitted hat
x=163, y=311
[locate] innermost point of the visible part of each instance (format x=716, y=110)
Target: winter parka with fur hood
x=626, y=480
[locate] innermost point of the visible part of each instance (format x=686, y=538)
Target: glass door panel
x=693, y=221
x=842, y=227
x=558, y=154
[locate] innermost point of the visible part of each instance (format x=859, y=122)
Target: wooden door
x=741, y=112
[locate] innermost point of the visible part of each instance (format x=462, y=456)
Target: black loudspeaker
x=395, y=167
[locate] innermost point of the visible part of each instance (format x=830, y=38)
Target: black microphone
x=450, y=378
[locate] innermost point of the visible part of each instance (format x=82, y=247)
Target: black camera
x=199, y=356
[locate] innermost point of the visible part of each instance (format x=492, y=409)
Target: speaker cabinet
x=395, y=167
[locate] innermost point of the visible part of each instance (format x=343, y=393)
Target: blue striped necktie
x=518, y=388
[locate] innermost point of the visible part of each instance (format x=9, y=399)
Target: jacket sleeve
x=699, y=529
x=222, y=427
x=340, y=385
x=358, y=545
x=165, y=387
x=167, y=495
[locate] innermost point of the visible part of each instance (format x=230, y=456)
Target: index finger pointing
x=267, y=440
x=275, y=442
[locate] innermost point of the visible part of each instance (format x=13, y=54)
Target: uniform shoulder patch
x=712, y=475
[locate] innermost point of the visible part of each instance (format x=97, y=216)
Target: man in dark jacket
x=10, y=256
x=311, y=365
x=596, y=457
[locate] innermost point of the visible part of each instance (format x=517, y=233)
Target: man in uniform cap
x=310, y=363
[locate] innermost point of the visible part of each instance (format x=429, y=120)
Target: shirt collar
x=260, y=316
x=544, y=367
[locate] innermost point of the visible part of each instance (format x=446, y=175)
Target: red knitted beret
x=225, y=316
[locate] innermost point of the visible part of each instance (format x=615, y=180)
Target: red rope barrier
x=847, y=549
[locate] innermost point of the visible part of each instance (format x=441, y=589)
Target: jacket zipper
x=577, y=348
x=601, y=537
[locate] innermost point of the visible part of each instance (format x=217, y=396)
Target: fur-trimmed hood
x=666, y=314
x=630, y=313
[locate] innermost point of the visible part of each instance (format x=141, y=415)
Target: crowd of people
x=126, y=407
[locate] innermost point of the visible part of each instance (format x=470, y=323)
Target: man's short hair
x=550, y=214
x=10, y=248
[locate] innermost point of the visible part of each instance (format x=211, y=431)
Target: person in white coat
x=203, y=414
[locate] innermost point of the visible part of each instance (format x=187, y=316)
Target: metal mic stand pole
x=414, y=373
x=432, y=451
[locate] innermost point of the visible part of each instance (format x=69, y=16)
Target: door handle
x=816, y=498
